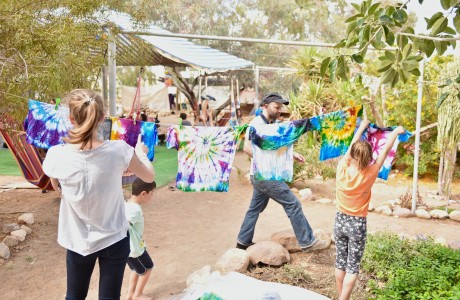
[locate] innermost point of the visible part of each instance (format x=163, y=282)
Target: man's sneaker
x=318, y=245
x=243, y=247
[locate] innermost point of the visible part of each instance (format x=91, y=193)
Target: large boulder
x=402, y=213
x=10, y=241
x=27, y=218
x=455, y=215
x=233, y=260
x=269, y=253
x=324, y=201
x=384, y=210
x=4, y=251
x=7, y=228
x=305, y=194
x=19, y=234
x=439, y=214
x=287, y=239
x=200, y=277
x=422, y=214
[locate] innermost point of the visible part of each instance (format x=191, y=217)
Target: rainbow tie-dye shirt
x=128, y=131
x=205, y=156
x=378, y=138
x=272, y=149
x=46, y=125
x=337, y=130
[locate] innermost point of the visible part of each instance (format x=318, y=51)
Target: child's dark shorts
x=140, y=264
x=350, y=240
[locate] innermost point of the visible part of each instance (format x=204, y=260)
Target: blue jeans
x=280, y=192
x=112, y=263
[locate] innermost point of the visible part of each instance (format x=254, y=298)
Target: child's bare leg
x=348, y=285
x=141, y=282
x=133, y=277
x=339, y=275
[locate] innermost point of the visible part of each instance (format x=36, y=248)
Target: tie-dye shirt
x=272, y=149
x=337, y=130
x=128, y=131
x=378, y=138
x=205, y=156
x=46, y=125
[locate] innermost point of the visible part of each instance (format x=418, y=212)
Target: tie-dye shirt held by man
x=337, y=130
x=378, y=138
x=46, y=125
x=128, y=131
x=205, y=156
x=272, y=149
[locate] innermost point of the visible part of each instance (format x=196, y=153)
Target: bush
x=411, y=269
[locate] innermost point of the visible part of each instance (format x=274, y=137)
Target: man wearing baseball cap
x=279, y=191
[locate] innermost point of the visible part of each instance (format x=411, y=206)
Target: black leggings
x=350, y=240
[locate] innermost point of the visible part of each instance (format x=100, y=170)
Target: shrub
x=411, y=269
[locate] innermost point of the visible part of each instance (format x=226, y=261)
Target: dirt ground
x=184, y=232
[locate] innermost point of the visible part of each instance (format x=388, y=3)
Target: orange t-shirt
x=353, y=191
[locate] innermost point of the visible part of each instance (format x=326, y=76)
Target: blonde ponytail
x=361, y=151
x=87, y=109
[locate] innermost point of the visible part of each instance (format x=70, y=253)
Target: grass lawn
x=165, y=165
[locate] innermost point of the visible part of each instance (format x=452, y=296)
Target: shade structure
x=150, y=50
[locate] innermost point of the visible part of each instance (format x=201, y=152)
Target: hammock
x=27, y=158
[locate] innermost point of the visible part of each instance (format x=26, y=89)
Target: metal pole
x=105, y=97
x=417, y=136
x=242, y=39
x=112, y=50
x=256, y=87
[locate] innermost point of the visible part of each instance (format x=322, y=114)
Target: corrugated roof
x=149, y=50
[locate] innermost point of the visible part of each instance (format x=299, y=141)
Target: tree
x=48, y=48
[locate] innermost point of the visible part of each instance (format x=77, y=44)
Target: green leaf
x=415, y=72
x=395, y=79
x=420, y=1
x=450, y=30
x=445, y=4
x=457, y=21
x=352, y=18
x=390, y=55
x=351, y=27
x=357, y=58
x=441, y=47
x=373, y=8
x=439, y=26
x=351, y=41
x=384, y=19
x=324, y=65
x=434, y=18
x=356, y=6
x=409, y=65
x=402, y=41
x=388, y=76
x=429, y=47
x=406, y=51
x=332, y=69
x=342, y=67
x=341, y=44
x=384, y=65
x=441, y=99
x=364, y=35
x=400, y=16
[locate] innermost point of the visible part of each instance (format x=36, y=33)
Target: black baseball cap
x=273, y=97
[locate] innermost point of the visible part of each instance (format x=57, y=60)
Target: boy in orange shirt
x=354, y=181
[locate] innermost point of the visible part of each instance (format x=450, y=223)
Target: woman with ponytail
x=92, y=222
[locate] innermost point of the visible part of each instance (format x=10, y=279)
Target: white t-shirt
x=92, y=212
x=256, y=121
x=136, y=228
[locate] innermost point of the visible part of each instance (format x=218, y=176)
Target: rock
x=10, y=241
x=200, y=277
x=322, y=235
x=294, y=190
x=4, y=251
x=455, y=215
x=269, y=253
x=371, y=207
x=7, y=228
x=403, y=213
x=441, y=241
x=27, y=229
x=384, y=210
x=439, y=214
x=27, y=218
x=305, y=194
x=324, y=201
x=422, y=214
x=287, y=239
x=19, y=234
x=405, y=236
x=454, y=245
x=233, y=260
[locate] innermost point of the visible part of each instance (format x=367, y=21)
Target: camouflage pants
x=350, y=240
